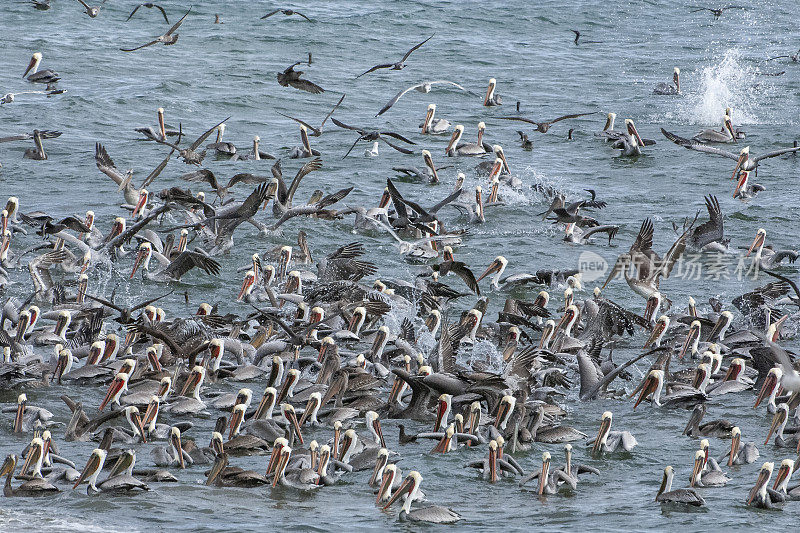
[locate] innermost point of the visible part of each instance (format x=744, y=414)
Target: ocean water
x=215, y=71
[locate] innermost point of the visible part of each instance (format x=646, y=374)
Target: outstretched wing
x=177, y=24
x=698, y=147
x=416, y=46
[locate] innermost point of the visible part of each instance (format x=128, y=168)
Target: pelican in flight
x=39, y=76
x=743, y=159
x=664, y=88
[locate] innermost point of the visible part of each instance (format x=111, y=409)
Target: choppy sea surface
x=215, y=71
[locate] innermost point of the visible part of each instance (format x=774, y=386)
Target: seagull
x=400, y=64
x=290, y=76
x=365, y=135
x=167, y=38
x=316, y=132
x=148, y=5
x=287, y=12
x=543, y=126
x=10, y=97
x=424, y=87
x=92, y=11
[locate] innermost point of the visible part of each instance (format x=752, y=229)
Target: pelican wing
x=697, y=146
x=564, y=117
x=157, y=171
x=711, y=231
x=331, y=113
x=106, y=165
x=776, y=153
x=311, y=166
x=200, y=140
x=187, y=260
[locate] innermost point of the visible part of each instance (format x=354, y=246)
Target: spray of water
x=730, y=82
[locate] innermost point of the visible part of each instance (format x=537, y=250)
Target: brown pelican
x=769, y=389
x=608, y=441
x=118, y=385
x=739, y=453
x=470, y=149
x=743, y=159
x=36, y=153
x=39, y=76
x=548, y=480
x=301, y=478
x=434, y=514
x=544, y=126
x=681, y=496
x=305, y=150
x=647, y=266
x=424, y=87
x=766, y=258
x=779, y=420
x=702, y=475
x=667, y=88
x=658, y=332
x=189, y=405
x=173, y=269
x=148, y=5
x=34, y=487
x=744, y=189
x=168, y=38
x=711, y=135
x=654, y=384
x=782, y=481
x=492, y=98
x=221, y=147
x=398, y=65
x=760, y=495
x=434, y=126
x=288, y=13
x=552, y=434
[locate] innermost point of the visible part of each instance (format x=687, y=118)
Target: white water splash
x=728, y=83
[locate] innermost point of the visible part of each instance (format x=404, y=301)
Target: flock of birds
x=334, y=345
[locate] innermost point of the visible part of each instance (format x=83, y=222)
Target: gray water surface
x=219, y=70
